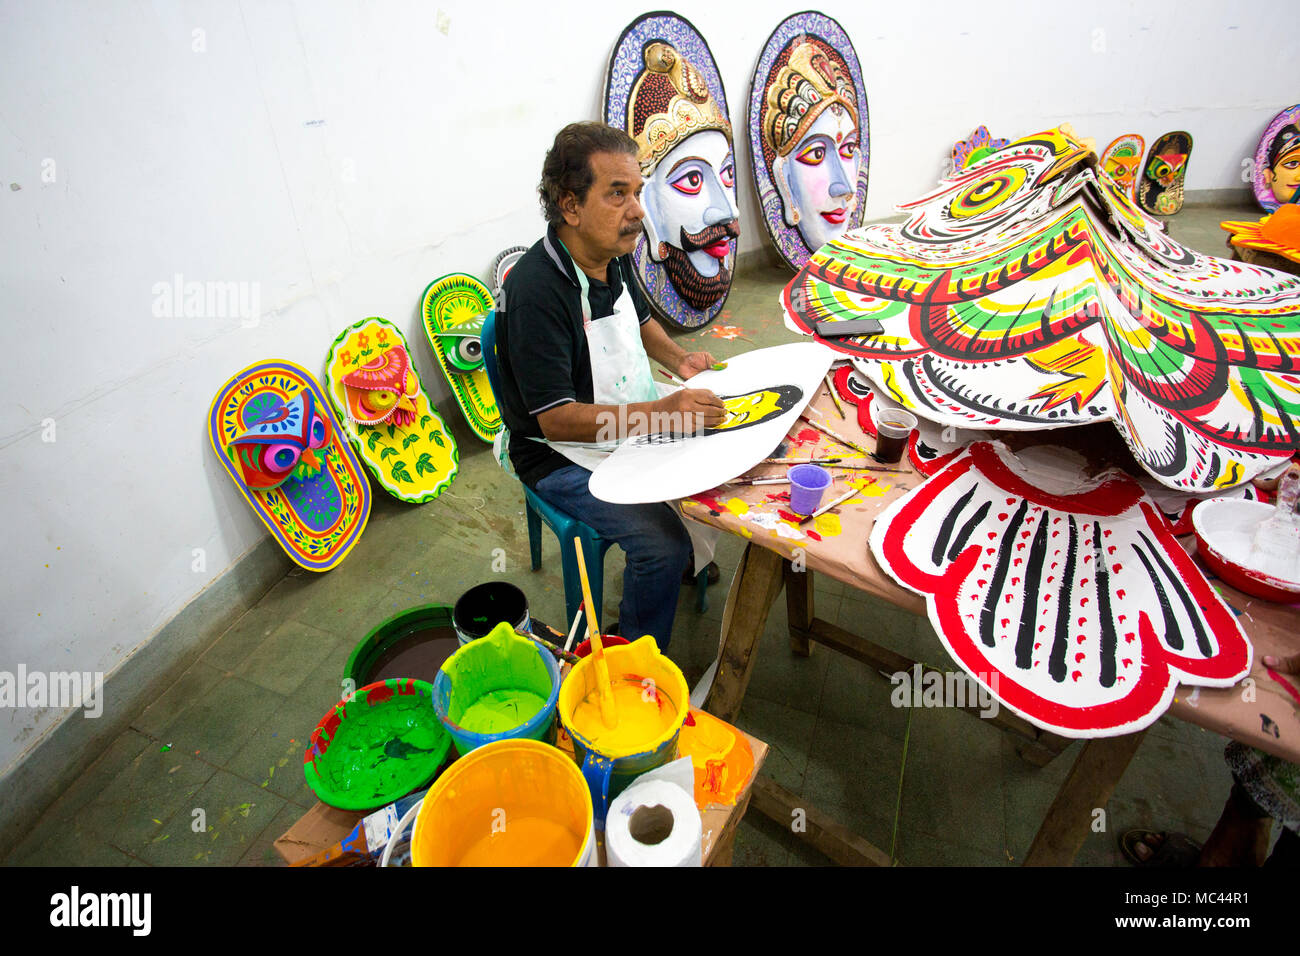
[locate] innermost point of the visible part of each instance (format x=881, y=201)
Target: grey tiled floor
x=930, y=786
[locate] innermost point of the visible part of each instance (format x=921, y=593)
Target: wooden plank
x=834, y=840
x=1091, y=781
x=799, y=607
x=757, y=585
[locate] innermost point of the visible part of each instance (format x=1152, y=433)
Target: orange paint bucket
x=508, y=803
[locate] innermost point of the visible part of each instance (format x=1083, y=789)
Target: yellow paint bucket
x=651, y=699
x=508, y=803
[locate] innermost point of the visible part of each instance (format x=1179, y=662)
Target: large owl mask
x=286, y=440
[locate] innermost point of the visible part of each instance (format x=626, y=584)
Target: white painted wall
x=338, y=156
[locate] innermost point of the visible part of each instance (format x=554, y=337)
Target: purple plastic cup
x=807, y=483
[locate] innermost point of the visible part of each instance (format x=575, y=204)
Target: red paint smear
x=814, y=535
x=710, y=503
x=1290, y=688
x=378, y=694
x=806, y=436
x=779, y=496
x=789, y=516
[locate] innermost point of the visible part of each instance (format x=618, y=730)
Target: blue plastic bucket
x=499, y=687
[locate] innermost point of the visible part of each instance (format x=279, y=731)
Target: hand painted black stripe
x=1056, y=665
x=1173, y=636
x=945, y=529
x=1029, y=609
x=967, y=530
x=989, y=614
x=1193, y=612
x=1105, y=616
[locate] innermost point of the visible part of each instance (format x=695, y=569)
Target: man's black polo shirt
x=542, y=348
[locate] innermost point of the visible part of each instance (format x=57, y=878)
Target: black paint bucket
x=484, y=606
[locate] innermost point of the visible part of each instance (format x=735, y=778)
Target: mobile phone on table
x=829, y=330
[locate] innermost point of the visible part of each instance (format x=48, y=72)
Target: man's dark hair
x=567, y=167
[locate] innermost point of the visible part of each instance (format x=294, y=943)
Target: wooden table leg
x=833, y=839
x=1091, y=781
x=799, y=607
x=757, y=585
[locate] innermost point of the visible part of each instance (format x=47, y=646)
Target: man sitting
x=573, y=346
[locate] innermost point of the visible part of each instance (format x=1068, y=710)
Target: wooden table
x=770, y=562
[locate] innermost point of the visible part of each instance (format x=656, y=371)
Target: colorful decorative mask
x=808, y=135
x=1076, y=607
x=967, y=152
x=1160, y=190
x=279, y=441
x=284, y=440
x=1277, y=161
x=1121, y=160
x=453, y=310
x=381, y=390
x=387, y=416
x=664, y=90
x=1030, y=293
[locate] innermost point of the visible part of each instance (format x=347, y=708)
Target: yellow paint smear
x=870, y=487
x=644, y=716
x=737, y=507
x=828, y=525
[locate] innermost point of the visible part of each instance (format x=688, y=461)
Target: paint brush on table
x=830, y=387
x=555, y=649
x=760, y=481
x=825, y=508
x=573, y=631
x=802, y=461
x=608, y=709
x=839, y=438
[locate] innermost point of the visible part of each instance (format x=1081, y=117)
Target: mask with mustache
x=698, y=291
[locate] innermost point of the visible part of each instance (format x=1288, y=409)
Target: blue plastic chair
x=566, y=527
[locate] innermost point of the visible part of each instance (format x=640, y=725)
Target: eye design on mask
x=278, y=441
x=849, y=150
x=461, y=347
x=689, y=183
x=320, y=432
x=380, y=401
x=813, y=155
x=1163, y=169
x=988, y=193
x=728, y=175
x=466, y=354
x=280, y=458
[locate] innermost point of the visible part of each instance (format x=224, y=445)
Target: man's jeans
x=652, y=537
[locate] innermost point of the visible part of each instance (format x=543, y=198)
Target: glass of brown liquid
x=893, y=428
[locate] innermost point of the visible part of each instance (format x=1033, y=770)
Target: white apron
x=620, y=375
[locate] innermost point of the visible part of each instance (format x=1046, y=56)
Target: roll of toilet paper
x=653, y=823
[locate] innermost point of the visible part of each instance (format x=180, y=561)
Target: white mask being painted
x=692, y=188
x=816, y=179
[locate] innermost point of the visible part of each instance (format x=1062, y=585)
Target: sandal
x=1176, y=851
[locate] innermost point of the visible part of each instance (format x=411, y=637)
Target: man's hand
x=693, y=363
x=692, y=409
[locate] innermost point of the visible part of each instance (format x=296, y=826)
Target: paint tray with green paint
x=498, y=687
x=376, y=746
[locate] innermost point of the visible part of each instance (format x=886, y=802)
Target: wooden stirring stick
x=608, y=710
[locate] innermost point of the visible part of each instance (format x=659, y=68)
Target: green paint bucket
x=413, y=643
x=498, y=687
